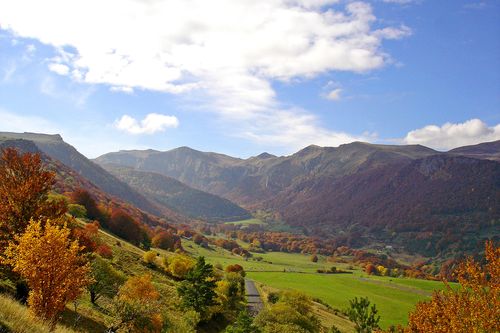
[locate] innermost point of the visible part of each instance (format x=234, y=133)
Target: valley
x=329, y=225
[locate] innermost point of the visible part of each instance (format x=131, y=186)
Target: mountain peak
x=265, y=155
x=32, y=136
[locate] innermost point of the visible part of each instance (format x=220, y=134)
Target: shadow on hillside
x=83, y=323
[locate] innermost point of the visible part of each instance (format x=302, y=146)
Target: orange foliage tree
x=475, y=307
x=51, y=263
x=137, y=306
x=24, y=189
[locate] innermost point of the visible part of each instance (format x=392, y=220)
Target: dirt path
x=254, y=300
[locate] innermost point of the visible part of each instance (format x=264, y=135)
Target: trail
x=254, y=300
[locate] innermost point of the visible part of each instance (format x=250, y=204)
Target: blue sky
x=243, y=77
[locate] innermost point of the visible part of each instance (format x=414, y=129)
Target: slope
x=56, y=148
x=179, y=197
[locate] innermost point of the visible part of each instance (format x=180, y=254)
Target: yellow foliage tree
x=180, y=265
x=382, y=270
x=473, y=308
x=51, y=264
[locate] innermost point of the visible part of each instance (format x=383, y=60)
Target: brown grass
x=16, y=318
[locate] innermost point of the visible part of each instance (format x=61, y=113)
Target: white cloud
x=151, y=124
x=451, y=135
x=127, y=90
x=227, y=58
x=30, y=49
x=334, y=95
x=294, y=130
x=394, y=33
x=59, y=68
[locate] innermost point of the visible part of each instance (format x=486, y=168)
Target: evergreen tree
x=198, y=289
x=243, y=324
x=362, y=315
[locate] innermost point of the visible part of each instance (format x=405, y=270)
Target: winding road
x=254, y=301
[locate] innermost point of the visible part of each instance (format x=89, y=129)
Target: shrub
x=236, y=269
x=77, y=210
x=273, y=297
x=179, y=266
x=149, y=258
x=136, y=307
x=104, y=251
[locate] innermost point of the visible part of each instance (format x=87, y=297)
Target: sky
x=242, y=77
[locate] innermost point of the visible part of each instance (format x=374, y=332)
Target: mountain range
x=408, y=196
x=207, y=206
x=414, y=196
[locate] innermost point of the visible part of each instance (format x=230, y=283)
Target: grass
x=16, y=318
x=394, y=297
x=325, y=314
x=247, y=222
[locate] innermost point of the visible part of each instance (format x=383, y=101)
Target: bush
x=104, y=251
x=236, y=269
x=273, y=297
x=179, y=265
x=77, y=210
x=150, y=258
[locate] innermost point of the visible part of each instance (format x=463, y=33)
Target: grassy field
x=247, y=222
x=394, y=297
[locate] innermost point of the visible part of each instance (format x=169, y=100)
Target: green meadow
x=394, y=297
x=247, y=222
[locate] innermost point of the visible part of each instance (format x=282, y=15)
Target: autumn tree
x=236, y=269
x=165, y=240
x=51, y=263
x=123, y=225
x=179, y=265
x=363, y=315
x=106, y=282
x=230, y=295
x=137, y=306
x=83, y=198
x=88, y=236
x=474, y=307
x=24, y=190
x=198, y=289
x=291, y=313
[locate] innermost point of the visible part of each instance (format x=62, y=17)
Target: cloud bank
x=225, y=51
x=449, y=135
